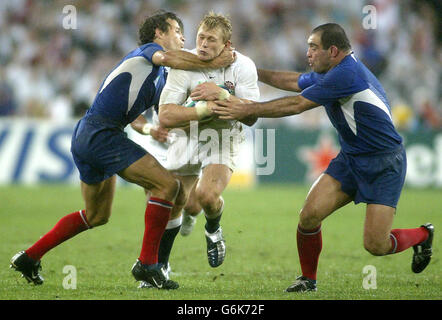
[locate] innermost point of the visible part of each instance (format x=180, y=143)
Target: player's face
x=209, y=43
x=318, y=58
x=173, y=39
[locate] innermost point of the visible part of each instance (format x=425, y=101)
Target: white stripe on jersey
x=139, y=68
x=368, y=96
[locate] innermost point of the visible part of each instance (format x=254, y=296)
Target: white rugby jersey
x=240, y=79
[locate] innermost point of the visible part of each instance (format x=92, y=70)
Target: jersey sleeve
x=306, y=80
x=247, y=81
x=150, y=50
x=334, y=85
x=176, y=89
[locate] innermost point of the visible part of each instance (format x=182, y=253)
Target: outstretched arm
x=285, y=80
x=209, y=91
x=180, y=59
x=278, y=108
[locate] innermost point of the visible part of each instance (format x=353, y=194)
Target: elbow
x=165, y=60
x=165, y=119
x=162, y=59
x=164, y=122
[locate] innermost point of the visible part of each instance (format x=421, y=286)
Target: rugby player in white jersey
x=234, y=83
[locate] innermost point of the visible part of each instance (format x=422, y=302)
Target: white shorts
x=187, y=155
x=157, y=149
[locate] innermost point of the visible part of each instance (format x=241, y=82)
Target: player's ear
x=228, y=44
x=158, y=34
x=334, y=51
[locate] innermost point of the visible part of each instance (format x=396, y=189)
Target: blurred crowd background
x=51, y=72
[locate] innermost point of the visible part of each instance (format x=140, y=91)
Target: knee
x=192, y=207
x=97, y=219
x=170, y=191
x=206, y=198
x=309, y=218
x=376, y=247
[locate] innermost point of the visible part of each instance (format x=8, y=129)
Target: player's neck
x=338, y=59
x=161, y=43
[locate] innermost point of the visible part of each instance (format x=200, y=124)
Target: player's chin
x=204, y=56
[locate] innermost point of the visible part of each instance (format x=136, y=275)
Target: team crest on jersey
x=230, y=87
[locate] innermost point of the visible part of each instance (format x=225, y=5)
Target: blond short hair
x=214, y=21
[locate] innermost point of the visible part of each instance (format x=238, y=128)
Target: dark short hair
x=333, y=34
x=157, y=21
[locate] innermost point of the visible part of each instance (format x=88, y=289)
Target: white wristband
x=201, y=109
x=224, y=94
x=146, y=128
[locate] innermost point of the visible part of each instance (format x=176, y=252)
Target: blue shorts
x=372, y=179
x=100, y=151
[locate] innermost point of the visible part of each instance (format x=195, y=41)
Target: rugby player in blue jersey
x=101, y=149
x=371, y=166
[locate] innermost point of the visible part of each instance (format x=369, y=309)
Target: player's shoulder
x=243, y=65
x=243, y=60
x=145, y=51
x=342, y=75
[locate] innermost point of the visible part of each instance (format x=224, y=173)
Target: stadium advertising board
x=37, y=151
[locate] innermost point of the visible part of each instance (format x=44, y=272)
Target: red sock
x=402, y=239
x=66, y=228
x=309, y=248
x=156, y=218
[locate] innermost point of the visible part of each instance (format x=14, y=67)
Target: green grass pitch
x=260, y=229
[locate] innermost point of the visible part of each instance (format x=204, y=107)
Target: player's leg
x=212, y=183
x=148, y=173
x=377, y=226
x=174, y=224
x=214, y=180
x=325, y=197
x=98, y=200
x=380, y=240
x=164, y=190
x=389, y=170
x=190, y=213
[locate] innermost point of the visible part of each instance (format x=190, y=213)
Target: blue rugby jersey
x=133, y=86
x=356, y=104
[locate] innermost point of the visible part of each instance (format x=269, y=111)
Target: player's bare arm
x=142, y=126
x=209, y=91
x=285, y=80
x=278, y=108
x=176, y=116
x=180, y=59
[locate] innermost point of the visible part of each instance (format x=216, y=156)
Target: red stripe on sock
x=66, y=228
x=156, y=218
x=309, y=247
x=405, y=238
